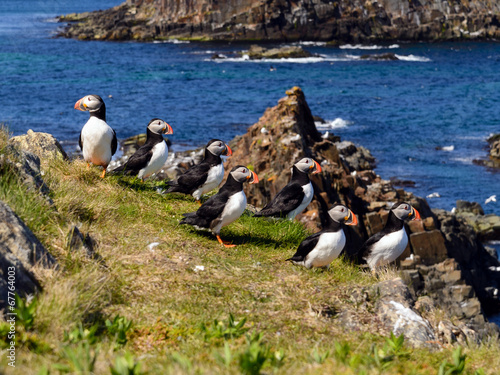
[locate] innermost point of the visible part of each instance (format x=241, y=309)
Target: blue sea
x=442, y=95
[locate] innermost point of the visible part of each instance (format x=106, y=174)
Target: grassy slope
x=173, y=307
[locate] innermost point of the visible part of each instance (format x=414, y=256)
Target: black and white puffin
x=224, y=207
x=205, y=176
x=387, y=245
x=152, y=155
x=97, y=139
x=320, y=249
x=296, y=195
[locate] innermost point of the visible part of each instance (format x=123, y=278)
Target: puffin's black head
x=308, y=165
x=217, y=148
x=158, y=126
x=404, y=210
x=89, y=103
x=341, y=214
x=241, y=174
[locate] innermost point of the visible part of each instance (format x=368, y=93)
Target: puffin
x=205, y=176
x=320, y=249
x=152, y=155
x=224, y=207
x=387, y=245
x=296, y=195
x=97, y=139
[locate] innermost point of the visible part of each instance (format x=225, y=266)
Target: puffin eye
x=406, y=207
x=343, y=209
x=244, y=171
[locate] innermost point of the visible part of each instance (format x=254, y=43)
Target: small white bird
x=493, y=198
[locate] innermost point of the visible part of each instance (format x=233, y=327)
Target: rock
x=494, y=154
x=257, y=53
x=43, y=145
x=26, y=166
x=430, y=246
x=346, y=21
x=395, y=309
x=383, y=56
x=357, y=158
x=472, y=207
x=19, y=250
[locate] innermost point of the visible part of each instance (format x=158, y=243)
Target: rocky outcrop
x=275, y=20
x=20, y=251
x=43, y=145
x=444, y=261
x=258, y=53
x=486, y=226
x=494, y=153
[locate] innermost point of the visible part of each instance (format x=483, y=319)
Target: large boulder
x=43, y=145
x=20, y=251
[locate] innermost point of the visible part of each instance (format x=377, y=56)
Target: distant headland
x=344, y=21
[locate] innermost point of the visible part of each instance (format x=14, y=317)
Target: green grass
x=142, y=310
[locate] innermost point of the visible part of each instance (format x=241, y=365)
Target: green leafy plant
x=25, y=312
x=341, y=352
x=456, y=367
x=318, y=357
x=80, y=334
x=183, y=361
x=253, y=358
x=226, y=358
x=218, y=329
x=80, y=358
x=118, y=329
x=126, y=365
x=395, y=345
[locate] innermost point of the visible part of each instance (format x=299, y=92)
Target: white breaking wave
x=338, y=123
x=172, y=41
x=310, y=43
x=313, y=59
x=361, y=46
x=413, y=58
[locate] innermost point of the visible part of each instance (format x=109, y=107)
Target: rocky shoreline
x=449, y=280
x=345, y=21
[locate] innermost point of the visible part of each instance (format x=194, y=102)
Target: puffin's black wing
x=190, y=180
x=114, y=143
x=306, y=247
x=208, y=212
x=138, y=160
x=80, y=141
x=285, y=201
x=366, y=248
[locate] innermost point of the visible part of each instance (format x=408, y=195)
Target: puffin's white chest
x=387, y=249
x=235, y=206
x=328, y=248
x=308, y=196
x=158, y=160
x=214, y=178
x=97, y=136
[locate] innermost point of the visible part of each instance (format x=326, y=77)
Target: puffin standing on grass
x=152, y=155
x=224, y=207
x=205, y=176
x=387, y=245
x=320, y=249
x=296, y=195
x=97, y=139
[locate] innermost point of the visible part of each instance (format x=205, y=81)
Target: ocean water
x=443, y=95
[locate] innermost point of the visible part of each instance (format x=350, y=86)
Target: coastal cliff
x=277, y=20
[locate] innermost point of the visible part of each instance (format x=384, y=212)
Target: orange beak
x=254, y=179
x=80, y=106
x=416, y=214
x=228, y=151
x=168, y=130
x=351, y=219
x=317, y=167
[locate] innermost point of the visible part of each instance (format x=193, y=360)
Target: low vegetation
x=159, y=298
